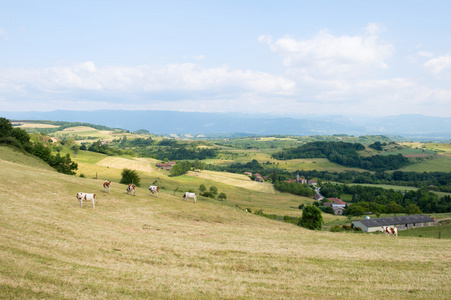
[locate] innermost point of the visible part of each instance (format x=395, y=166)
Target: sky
x=282, y=58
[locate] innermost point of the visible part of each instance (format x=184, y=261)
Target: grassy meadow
x=165, y=248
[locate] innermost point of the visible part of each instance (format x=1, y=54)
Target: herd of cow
x=154, y=190
x=131, y=188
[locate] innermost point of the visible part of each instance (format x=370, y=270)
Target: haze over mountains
x=175, y=122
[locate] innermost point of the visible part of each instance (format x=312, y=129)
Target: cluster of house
x=302, y=180
x=166, y=166
x=258, y=177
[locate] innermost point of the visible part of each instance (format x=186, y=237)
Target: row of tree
x=20, y=139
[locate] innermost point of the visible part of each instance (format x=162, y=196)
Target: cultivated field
x=143, y=247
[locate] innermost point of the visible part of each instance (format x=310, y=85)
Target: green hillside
x=164, y=248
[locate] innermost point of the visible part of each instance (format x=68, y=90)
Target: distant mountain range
x=416, y=127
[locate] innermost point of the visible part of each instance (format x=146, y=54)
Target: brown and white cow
x=107, y=186
x=154, y=190
x=188, y=195
x=86, y=197
x=131, y=189
x=390, y=230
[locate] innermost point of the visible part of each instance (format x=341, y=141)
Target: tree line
x=380, y=200
x=345, y=154
x=20, y=139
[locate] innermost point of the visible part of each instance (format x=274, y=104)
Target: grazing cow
x=154, y=190
x=187, y=196
x=131, y=188
x=390, y=230
x=86, y=197
x=107, y=186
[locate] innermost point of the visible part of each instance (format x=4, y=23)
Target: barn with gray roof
x=402, y=223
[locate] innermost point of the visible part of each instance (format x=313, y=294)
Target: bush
x=311, y=217
x=346, y=227
x=335, y=228
x=130, y=176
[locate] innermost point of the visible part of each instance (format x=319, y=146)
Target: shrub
x=346, y=227
x=130, y=176
x=311, y=217
x=335, y=228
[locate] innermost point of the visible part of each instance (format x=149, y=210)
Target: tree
x=76, y=148
x=130, y=176
x=394, y=208
x=213, y=191
x=222, y=196
x=311, y=217
x=413, y=209
x=5, y=127
x=202, y=188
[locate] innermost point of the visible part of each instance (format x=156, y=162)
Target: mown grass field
x=441, y=164
x=164, y=248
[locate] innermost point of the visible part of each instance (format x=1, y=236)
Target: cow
x=390, y=230
x=86, y=197
x=154, y=190
x=107, y=186
x=188, y=195
x=131, y=188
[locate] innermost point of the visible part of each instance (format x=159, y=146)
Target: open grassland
x=164, y=248
x=235, y=180
x=433, y=232
x=441, y=164
x=238, y=188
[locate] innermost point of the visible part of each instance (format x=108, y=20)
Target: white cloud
x=329, y=55
x=438, y=64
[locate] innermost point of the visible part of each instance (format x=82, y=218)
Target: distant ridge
x=175, y=122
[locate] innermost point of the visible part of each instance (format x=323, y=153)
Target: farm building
x=402, y=223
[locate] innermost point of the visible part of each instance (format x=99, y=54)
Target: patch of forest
x=345, y=154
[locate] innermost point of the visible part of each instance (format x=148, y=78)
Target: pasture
x=433, y=232
x=441, y=164
x=164, y=248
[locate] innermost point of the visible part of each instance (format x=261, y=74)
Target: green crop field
x=143, y=247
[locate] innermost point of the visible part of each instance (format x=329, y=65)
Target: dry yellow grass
x=34, y=125
x=147, y=248
x=121, y=163
x=238, y=180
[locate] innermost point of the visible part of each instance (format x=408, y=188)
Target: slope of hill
x=146, y=247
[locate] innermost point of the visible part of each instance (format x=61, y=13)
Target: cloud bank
x=325, y=73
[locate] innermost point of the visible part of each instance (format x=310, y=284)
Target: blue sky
x=287, y=58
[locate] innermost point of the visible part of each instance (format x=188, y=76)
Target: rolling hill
x=146, y=247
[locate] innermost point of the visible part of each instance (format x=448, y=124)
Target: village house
x=165, y=166
x=337, y=205
x=402, y=223
x=258, y=177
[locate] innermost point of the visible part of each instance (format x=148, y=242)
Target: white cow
x=188, y=195
x=86, y=197
x=107, y=186
x=131, y=189
x=390, y=230
x=153, y=189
